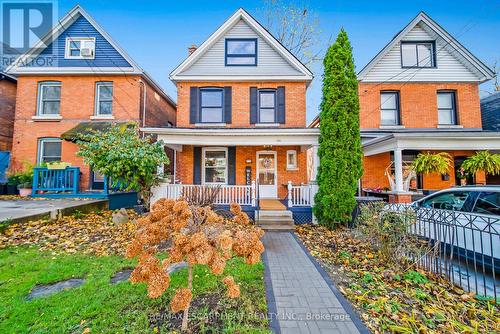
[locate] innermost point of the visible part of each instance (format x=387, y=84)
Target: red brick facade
x=77, y=105
x=7, y=108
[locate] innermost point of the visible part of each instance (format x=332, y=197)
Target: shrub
x=428, y=163
x=482, y=161
x=198, y=236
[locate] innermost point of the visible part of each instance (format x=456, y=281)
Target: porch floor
x=271, y=204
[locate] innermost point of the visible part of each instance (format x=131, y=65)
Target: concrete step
x=277, y=227
x=274, y=213
x=275, y=219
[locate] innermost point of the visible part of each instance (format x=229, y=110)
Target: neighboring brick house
x=8, y=86
x=241, y=115
x=85, y=79
x=420, y=93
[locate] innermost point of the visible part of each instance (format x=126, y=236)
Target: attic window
x=241, y=51
x=80, y=48
x=418, y=54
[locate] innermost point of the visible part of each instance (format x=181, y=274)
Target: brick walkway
x=301, y=298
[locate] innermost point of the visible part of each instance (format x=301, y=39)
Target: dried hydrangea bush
x=198, y=236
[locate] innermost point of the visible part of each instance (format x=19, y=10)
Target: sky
x=157, y=33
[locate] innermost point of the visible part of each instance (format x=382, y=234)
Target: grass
x=119, y=308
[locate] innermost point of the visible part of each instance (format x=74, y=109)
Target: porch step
x=264, y=214
x=275, y=220
x=277, y=227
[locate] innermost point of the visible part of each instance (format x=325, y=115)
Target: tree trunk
x=190, y=287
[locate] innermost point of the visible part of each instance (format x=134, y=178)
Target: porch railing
x=227, y=194
x=60, y=180
x=301, y=195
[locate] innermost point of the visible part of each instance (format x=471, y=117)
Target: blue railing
x=57, y=180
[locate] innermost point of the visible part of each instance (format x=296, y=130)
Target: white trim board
x=176, y=75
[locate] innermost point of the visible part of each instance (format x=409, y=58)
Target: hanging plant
x=428, y=163
x=482, y=161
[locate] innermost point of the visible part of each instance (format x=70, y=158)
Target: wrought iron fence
x=464, y=247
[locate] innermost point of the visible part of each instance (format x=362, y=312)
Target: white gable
x=269, y=61
x=274, y=62
x=453, y=61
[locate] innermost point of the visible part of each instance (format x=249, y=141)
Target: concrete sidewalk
x=301, y=297
x=19, y=211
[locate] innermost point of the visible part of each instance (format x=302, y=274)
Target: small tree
x=198, y=236
x=482, y=161
x=428, y=163
x=120, y=154
x=340, y=141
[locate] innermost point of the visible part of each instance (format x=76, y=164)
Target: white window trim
x=67, y=53
x=97, y=100
x=213, y=149
x=39, y=115
x=289, y=166
x=275, y=92
x=41, y=148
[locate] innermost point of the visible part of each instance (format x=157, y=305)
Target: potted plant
x=12, y=183
x=25, y=189
x=461, y=175
x=482, y=161
x=429, y=163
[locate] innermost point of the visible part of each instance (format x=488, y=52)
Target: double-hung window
x=447, y=111
x=214, y=166
x=80, y=48
x=211, y=105
x=241, y=51
x=389, y=108
x=49, y=98
x=104, y=98
x=418, y=54
x=267, y=106
x=49, y=149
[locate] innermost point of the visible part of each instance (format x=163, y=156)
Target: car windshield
x=448, y=201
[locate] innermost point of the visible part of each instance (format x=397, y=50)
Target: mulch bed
x=93, y=233
x=392, y=300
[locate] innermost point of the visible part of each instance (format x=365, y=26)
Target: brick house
x=241, y=119
x=420, y=93
x=81, y=80
x=8, y=86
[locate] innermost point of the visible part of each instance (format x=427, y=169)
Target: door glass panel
x=266, y=169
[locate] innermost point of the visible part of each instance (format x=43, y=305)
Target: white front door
x=267, y=174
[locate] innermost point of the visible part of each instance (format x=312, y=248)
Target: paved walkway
x=301, y=298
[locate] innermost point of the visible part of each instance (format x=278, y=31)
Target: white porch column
x=315, y=162
x=398, y=169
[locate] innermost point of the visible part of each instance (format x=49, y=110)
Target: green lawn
x=119, y=308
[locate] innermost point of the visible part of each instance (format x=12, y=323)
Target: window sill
x=267, y=125
x=449, y=126
x=52, y=118
x=212, y=125
x=391, y=127
x=98, y=117
x=292, y=169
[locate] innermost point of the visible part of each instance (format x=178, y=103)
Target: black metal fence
x=464, y=247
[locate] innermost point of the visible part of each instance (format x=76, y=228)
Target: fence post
x=34, y=186
x=253, y=194
x=290, y=202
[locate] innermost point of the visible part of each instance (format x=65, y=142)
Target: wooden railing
x=301, y=195
x=60, y=180
x=226, y=194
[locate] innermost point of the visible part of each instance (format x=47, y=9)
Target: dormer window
x=80, y=48
x=241, y=51
x=418, y=54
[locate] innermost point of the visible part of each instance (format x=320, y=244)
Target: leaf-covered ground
x=393, y=300
x=91, y=247
x=93, y=233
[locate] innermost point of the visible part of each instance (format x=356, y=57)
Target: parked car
x=471, y=221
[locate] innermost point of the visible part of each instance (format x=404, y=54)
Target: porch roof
x=176, y=137
x=432, y=140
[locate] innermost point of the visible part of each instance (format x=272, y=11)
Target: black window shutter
x=281, y=105
x=253, y=105
x=197, y=165
x=227, y=104
x=194, y=105
x=231, y=165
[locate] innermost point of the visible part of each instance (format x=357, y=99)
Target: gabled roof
x=241, y=14
x=485, y=72
x=64, y=24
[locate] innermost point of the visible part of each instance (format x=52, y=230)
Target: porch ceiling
x=176, y=137
x=481, y=140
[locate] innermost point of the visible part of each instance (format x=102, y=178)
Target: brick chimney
x=192, y=49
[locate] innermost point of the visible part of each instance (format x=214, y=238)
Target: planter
x=12, y=190
x=463, y=182
x=3, y=189
x=24, y=192
x=58, y=165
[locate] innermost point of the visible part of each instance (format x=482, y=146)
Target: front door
x=267, y=174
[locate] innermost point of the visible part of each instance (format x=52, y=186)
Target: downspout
x=144, y=95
